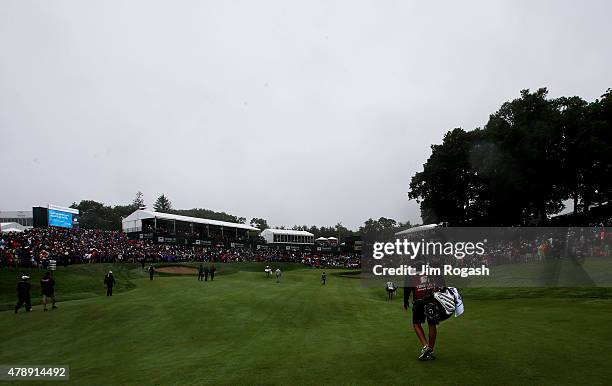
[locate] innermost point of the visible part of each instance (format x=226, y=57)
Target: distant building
x=21, y=217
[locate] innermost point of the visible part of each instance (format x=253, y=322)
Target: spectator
x=47, y=288
x=23, y=294
x=109, y=281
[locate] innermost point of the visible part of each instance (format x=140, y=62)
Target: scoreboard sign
x=58, y=218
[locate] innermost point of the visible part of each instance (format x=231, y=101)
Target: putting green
x=246, y=329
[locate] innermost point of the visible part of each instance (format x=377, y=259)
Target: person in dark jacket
x=201, y=273
x=151, y=271
x=47, y=289
x=323, y=278
x=212, y=272
x=23, y=294
x=109, y=281
x=206, y=272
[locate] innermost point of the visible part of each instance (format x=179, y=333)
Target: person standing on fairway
x=151, y=271
x=277, y=273
x=390, y=288
x=422, y=289
x=212, y=272
x=109, y=281
x=323, y=278
x=201, y=273
x=47, y=288
x=205, y=273
x=23, y=294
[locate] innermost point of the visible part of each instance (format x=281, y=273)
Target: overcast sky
x=298, y=112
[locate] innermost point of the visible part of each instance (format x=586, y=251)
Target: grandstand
x=176, y=229
x=288, y=239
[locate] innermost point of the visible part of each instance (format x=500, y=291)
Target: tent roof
x=417, y=229
x=146, y=214
x=287, y=232
x=11, y=227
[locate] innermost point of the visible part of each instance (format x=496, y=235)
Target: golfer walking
x=277, y=273
x=23, y=294
x=422, y=290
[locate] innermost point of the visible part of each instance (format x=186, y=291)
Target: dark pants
x=212, y=276
x=151, y=276
x=205, y=277
x=109, y=290
x=200, y=277
x=390, y=293
x=24, y=300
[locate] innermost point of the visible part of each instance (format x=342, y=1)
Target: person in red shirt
x=422, y=287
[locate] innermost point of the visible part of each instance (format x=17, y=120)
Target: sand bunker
x=178, y=270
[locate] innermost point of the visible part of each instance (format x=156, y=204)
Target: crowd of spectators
x=524, y=245
x=38, y=247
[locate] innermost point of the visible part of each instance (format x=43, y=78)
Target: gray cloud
x=299, y=112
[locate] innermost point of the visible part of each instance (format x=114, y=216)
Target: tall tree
x=162, y=204
x=259, y=223
x=208, y=214
x=96, y=215
x=532, y=154
x=381, y=229
x=527, y=132
x=138, y=201
x=446, y=187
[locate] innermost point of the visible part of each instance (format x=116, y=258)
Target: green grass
x=246, y=329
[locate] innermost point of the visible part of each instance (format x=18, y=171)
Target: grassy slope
x=246, y=329
x=73, y=282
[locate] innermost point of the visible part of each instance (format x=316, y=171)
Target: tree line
x=96, y=215
x=533, y=154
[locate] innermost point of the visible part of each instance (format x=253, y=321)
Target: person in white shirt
x=278, y=275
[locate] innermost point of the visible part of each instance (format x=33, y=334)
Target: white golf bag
x=440, y=306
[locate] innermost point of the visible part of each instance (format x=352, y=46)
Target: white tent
x=418, y=229
x=287, y=236
x=6, y=227
x=133, y=222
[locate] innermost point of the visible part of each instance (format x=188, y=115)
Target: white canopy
x=134, y=220
x=6, y=227
x=421, y=228
x=287, y=235
x=287, y=232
